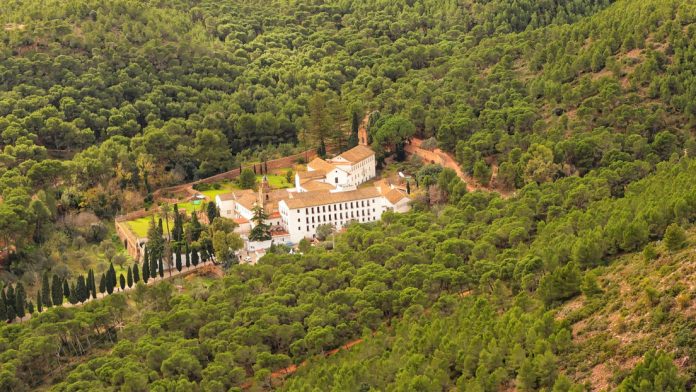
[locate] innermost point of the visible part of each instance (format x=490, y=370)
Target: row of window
x=339, y=216
x=339, y=206
x=341, y=223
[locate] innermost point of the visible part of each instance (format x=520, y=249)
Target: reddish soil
x=446, y=160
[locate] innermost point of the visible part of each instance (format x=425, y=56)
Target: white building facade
x=302, y=214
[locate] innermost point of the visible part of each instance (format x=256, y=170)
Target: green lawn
x=276, y=181
x=225, y=187
x=140, y=226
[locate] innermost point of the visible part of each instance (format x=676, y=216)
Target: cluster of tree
x=518, y=256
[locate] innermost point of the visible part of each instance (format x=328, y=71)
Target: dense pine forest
x=571, y=269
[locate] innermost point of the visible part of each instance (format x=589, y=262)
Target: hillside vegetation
x=583, y=109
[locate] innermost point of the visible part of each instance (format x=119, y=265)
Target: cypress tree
x=57, y=291
x=211, y=212
x=408, y=187
x=82, y=293
x=194, y=256
x=66, y=288
x=122, y=282
x=161, y=268
x=129, y=277
x=45, y=292
x=178, y=257
x=39, y=301
x=188, y=256
x=153, y=264
x=111, y=278
x=102, y=284
x=30, y=307
x=92, y=285
x=10, y=297
x=3, y=307
x=109, y=282
x=11, y=314
x=20, y=300
x=72, y=298
x=146, y=271
x=160, y=228
x=136, y=273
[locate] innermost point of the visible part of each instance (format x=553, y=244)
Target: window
x=299, y=229
x=336, y=180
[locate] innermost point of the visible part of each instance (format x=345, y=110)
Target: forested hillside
x=583, y=110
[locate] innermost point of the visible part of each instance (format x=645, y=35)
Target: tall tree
x=261, y=230
x=92, y=284
x=122, y=282
x=177, y=253
x=66, y=288
x=212, y=212
x=187, y=251
x=45, y=291
x=166, y=212
x=129, y=277
x=20, y=300
x=102, y=284
x=136, y=273
x=82, y=291
x=146, y=267
x=72, y=298
x=161, y=267
x=57, y=294
x=39, y=301
x=110, y=279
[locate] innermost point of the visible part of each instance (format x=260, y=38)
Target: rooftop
x=356, y=154
x=320, y=164
x=317, y=198
x=310, y=186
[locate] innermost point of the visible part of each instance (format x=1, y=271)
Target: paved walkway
x=184, y=271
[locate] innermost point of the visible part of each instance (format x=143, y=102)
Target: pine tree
x=129, y=277
x=82, y=293
x=57, y=291
x=136, y=273
x=188, y=256
x=72, y=298
x=122, y=282
x=66, y=288
x=20, y=300
x=161, y=268
x=102, y=284
x=39, y=301
x=45, y=292
x=177, y=256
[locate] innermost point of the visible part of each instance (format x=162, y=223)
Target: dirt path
x=362, y=131
x=282, y=373
x=209, y=266
x=444, y=159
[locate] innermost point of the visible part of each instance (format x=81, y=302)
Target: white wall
x=302, y=222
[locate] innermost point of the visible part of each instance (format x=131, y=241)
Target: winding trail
x=444, y=159
x=282, y=373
